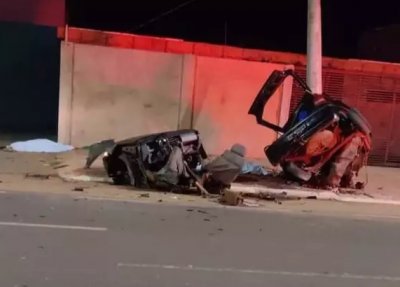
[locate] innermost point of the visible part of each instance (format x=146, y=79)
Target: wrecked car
x=152, y=161
x=168, y=160
x=324, y=142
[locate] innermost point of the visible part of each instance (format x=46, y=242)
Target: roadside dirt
x=27, y=172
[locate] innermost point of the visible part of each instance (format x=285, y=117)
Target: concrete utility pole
x=314, y=47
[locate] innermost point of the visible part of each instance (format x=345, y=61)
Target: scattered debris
x=97, y=149
x=220, y=229
x=42, y=216
x=230, y=197
x=60, y=166
x=250, y=203
x=160, y=200
x=189, y=210
x=38, y=176
x=206, y=219
x=145, y=195
x=202, y=211
x=368, y=195
x=80, y=189
x=221, y=172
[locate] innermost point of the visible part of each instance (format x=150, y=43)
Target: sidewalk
x=64, y=172
x=382, y=184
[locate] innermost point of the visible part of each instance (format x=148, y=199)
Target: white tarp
x=253, y=168
x=39, y=145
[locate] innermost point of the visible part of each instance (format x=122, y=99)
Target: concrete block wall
x=108, y=92
x=117, y=93
x=150, y=43
x=224, y=92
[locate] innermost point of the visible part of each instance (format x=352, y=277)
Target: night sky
x=272, y=25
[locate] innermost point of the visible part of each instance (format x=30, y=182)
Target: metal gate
x=377, y=96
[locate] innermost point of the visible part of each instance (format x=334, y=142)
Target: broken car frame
x=324, y=141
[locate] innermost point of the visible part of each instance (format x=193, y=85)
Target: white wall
x=118, y=93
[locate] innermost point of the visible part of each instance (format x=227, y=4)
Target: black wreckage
x=324, y=143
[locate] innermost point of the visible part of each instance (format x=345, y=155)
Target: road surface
x=55, y=240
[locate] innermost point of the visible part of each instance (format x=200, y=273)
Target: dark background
x=273, y=25
x=30, y=67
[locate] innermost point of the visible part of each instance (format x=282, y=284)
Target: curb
x=84, y=178
x=321, y=195
x=257, y=189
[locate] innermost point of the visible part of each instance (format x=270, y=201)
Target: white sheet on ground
x=253, y=168
x=39, y=145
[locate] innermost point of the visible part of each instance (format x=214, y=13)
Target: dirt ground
x=39, y=172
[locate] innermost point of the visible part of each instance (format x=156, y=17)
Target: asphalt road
x=54, y=240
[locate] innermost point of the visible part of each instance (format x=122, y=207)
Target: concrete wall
x=118, y=93
x=224, y=92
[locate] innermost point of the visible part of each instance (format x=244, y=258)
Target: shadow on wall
x=29, y=78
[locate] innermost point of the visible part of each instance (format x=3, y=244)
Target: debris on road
x=229, y=197
x=80, y=189
x=251, y=198
x=60, y=166
x=221, y=172
x=201, y=211
x=144, y=195
x=250, y=203
x=38, y=176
